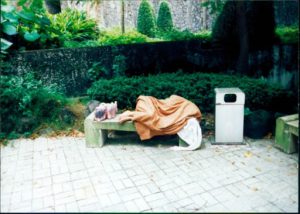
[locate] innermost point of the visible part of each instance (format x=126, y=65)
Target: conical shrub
x=145, y=20
x=164, y=18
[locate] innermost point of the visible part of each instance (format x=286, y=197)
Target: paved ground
x=61, y=174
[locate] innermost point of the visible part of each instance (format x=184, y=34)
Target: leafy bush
x=204, y=35
x=99, y=70
x=76, y=44
x=164, y=18
x=288, y=35
x=176, y=35
x=115, y=37
x=74, y=25
x=197, y=87
x=25, y=28
x=25, y=102
x=145, y=19
x=34, y=5
x=119, y=65
x=103, y=70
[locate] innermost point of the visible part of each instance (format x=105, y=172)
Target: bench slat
x=113, y=124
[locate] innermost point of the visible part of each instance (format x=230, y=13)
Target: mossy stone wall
x=68, y=67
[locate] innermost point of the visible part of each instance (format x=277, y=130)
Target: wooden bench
x=96, y=132
x=287, y=133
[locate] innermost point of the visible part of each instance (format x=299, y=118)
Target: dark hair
x=99, y=113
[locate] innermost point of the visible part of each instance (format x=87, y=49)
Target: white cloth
x=191, y=133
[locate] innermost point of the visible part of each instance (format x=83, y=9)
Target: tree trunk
x=123, y=17
x=53, y=6
x=242, y=63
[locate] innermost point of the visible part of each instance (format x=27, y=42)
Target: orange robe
x=153, y=117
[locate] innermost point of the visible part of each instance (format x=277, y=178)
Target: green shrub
x=76, y=44
x=103, y=70
x=288, y=35
x=197, y=87
x=99, y=70
x=115, y=37
x=25, y=28
x=145, y=19
x=204, y=35
x=119, y=65
x=177, y=35
x=34, y=5
x=25, y=102
x=74, y=25
x=164, y=18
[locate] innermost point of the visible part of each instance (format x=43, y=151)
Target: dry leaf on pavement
x=248, y=154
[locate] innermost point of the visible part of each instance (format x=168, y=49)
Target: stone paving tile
x=63, y=175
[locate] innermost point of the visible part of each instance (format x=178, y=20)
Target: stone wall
x=68, y=67
x=187, y=14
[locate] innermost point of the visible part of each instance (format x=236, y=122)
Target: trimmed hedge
x=197, y=87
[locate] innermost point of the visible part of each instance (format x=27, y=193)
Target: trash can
x=229, y=116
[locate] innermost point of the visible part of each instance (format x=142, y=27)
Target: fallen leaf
x=255, y=189
x=34, y=136
x=248, y=154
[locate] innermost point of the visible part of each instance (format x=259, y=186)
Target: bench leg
x=102, y=137
x=92, y=135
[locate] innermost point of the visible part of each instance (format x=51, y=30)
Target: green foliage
x=74, y=25
x=164, y=18
x=214, y=6
x=101, y=70
x=119, y=65
x=176, y=35
x=25, y=103
x=145, y=19
x=288, y=35
x=259, y=94
x=204, y=35
x=76, y=44
x=34, y=5
x=115, y=37
x=25, y=28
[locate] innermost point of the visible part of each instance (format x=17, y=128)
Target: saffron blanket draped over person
x=155, y=117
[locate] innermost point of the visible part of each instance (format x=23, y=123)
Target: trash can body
x=229, y=116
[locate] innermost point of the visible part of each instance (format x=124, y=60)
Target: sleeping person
x=174, y=115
